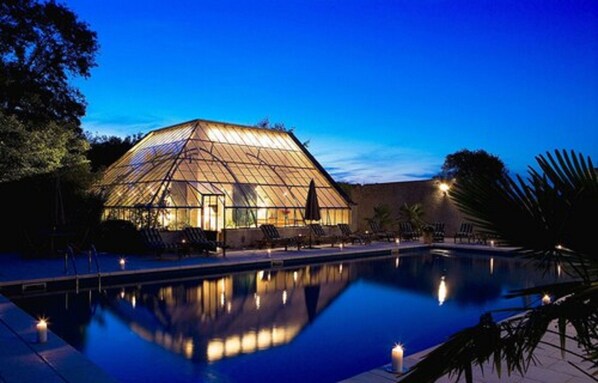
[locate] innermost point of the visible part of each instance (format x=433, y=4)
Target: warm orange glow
x=444, y=187
x=546, y=299
x=397, y=358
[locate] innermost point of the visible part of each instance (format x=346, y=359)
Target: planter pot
x=427, y=237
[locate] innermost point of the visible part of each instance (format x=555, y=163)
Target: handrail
x=69, y=253
x=94, y=252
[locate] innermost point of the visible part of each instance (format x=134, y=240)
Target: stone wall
x=436, y=205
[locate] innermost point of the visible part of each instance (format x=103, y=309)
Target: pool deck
x=23, y=359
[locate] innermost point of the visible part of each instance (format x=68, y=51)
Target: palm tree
x=548, y=218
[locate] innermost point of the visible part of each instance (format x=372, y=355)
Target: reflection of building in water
x=227, y=316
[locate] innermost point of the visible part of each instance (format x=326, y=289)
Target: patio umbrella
x=312, y=207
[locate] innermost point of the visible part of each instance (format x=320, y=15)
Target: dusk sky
x=383, y=90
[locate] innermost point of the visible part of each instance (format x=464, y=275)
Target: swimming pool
x=317, y=323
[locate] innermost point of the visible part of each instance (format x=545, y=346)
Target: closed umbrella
x=312, y=207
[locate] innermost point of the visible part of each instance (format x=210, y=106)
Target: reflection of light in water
x=269, y=275
x=294, y=276
x=250, y=341
x=133, y=301
x=188, y=350
x=229, y=307
x=222, y=299
x=491, y=265
x=340, y=268
x=232, y=346
x=284, y=297
x=558, y=270
x=215, y=349
x=260, y=275
x=442, y=291
x=396, y=262
x=258, y=301
x=122, y=294
x=264, y=338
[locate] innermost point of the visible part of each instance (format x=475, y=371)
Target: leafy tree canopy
x=25, y=153
x=470, y=164
x=42, y=46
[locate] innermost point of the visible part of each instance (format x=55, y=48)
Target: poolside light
x=340, y=246
x=269, y=251
x=546, y=299
x=397, y=359
x=42, y=331
x=397, y=241
x=122, y=262
x=559, y=247
x=491, y=243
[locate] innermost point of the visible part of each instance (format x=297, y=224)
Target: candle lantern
x=42, y=331
x=397, y=359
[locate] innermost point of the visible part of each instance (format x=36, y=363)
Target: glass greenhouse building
x=217, y=175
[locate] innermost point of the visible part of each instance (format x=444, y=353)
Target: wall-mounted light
x=444, y=187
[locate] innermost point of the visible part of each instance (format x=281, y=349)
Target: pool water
x=317, y=323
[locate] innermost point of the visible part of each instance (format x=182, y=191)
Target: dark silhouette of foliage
x=53, y=209
x=42, y=46
x=469, y=164
x=545, y=217
x=104, y=150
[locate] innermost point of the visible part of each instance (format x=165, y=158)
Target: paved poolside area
x=22, y=359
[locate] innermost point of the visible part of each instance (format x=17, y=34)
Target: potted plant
x=427, y=233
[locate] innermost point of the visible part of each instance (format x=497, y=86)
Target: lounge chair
x=438, y=233
x=347, y=235
x=465, y=232
x=380, y=233
x=153, y=242
x=407, y=232
x=272, y=238
x=320, y=235
x=197, y=240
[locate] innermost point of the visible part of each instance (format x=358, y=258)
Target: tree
x=470, y=164
x=545, y=217
x=42, y=46
x=107, y=149
x=279, y=126
x=25, y=153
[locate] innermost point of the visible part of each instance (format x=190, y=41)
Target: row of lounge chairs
x=194, y=239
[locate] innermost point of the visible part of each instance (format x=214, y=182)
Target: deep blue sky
x=383, y=90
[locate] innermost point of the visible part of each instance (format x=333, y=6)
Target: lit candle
x=122, y=263
x=491, y=243
x=546, y=299
x=269, y=252
x=340, y=246
x=397, y=241
x=42, y=331
x=397, y=358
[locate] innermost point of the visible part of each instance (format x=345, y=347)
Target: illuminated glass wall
x=214, y=175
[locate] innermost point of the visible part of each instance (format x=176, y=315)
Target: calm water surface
x=320, y=323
